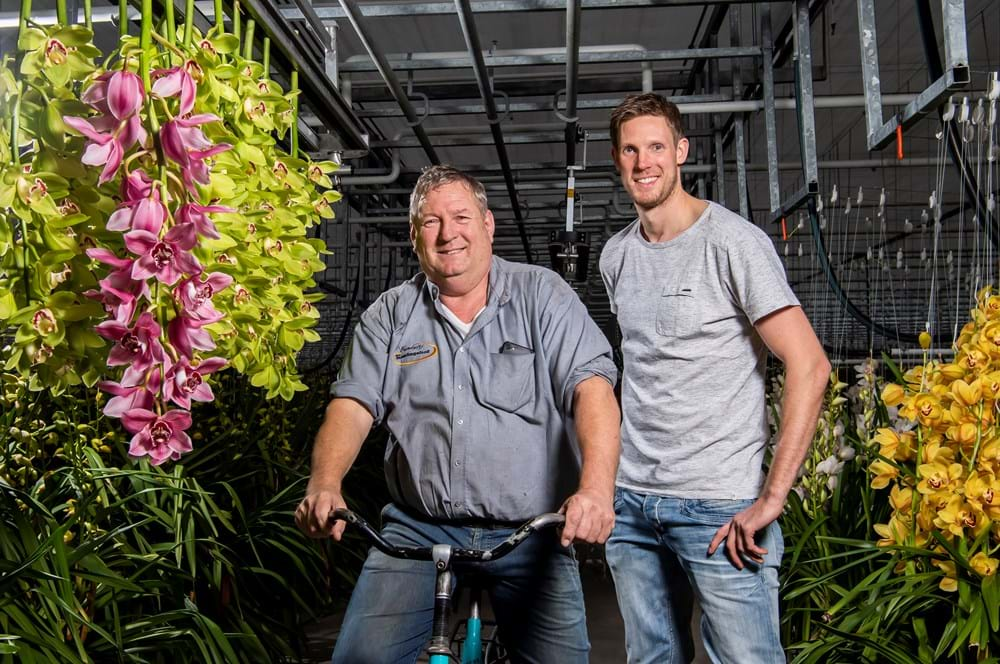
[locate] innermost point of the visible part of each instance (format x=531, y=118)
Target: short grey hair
x=438, y=176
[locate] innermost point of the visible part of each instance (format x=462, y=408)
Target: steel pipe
x=385, y=70
x=468, y=23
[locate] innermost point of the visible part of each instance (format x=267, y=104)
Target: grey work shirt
x=480, y=427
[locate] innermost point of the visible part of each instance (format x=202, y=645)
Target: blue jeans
x=658, y=554
x=534, y=590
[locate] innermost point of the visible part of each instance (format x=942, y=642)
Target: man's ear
x=490, y=224
x=682, y=150
x=413, y=235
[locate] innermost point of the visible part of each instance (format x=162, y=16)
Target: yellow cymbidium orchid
x=950, y=581
x=894, y=532
x=893, y=394
x=973, y=360
x=958, y=515
x=983, y=564
x=884, y=473
x=982, y=490
x=967, y=394
x=928, y=410
x=938, y=476
x=894, y=445
x=901, y=499
x=965, y=434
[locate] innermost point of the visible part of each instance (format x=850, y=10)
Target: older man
x=700, y=297
x=481, y=370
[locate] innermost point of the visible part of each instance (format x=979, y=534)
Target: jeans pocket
x=619, y=500
x=713, y=512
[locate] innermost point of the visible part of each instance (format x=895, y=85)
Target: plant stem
x=168, y=18
x=146, y=41
x=61, y=18
x=248, y=40
x=236, y=19
x=123, y=18
x=219, y=15
x=979, y=439
x=188, y=22
x=25, y=13
x=87, y=11
x=295, y=114
x=266, y=51
x=15, y=127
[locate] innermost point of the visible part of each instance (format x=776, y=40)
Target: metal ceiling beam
x=468, y=23
x=538, y=57
x=383, y=67
x=323, y=97
x=496, y=7
x=541, y=83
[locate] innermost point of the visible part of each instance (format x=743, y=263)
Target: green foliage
x=103, y=560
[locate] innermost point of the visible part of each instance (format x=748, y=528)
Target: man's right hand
x=313, y=514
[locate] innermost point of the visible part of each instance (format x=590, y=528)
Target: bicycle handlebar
x=540, y=522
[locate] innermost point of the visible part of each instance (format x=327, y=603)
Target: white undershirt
x=462, y=327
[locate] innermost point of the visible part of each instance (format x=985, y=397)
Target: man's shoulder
x=731, y=231
x=387, y=305
x=527, y=281
x=617, y=242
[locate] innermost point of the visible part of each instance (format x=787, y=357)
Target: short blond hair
x=647, y=103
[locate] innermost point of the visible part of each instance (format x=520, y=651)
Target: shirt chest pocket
x=678, y=312
x=507, y=380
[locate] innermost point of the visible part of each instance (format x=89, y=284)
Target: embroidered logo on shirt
x=413, y=353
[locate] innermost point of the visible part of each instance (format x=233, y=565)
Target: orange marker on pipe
x=899, y=142
x=784, y=230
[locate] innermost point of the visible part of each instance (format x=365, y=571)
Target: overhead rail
x=527, y=57
x=379, y=62
x=468, y=24
x=501, y=7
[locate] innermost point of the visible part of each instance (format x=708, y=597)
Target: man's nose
x=449, y=230
x=642, y=160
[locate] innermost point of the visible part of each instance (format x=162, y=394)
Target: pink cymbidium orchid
x=195, y=214
x=136, y=390
x=119, y=291
x=183, y=382
x=147, y=214
x=173, y=82
x=184, y=143
x=186, y=335
x=136, y=186
x=167, y=259
x=118, y=97
x=138, y=346
x=195, y=295
x=159, y=437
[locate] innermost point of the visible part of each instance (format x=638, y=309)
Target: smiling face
x=453, y=238
x=648, y=157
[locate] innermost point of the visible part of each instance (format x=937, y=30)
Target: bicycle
x=443, y=555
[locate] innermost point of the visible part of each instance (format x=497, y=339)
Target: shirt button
x=461, y=421
x=460, y=387
x=458, y=464
x=458, y=505
x=461, y=350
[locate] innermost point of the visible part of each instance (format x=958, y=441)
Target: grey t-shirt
x=480, y=424
x=693, y=403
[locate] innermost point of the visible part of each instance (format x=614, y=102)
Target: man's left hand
x=590, y=517
x=739, y=534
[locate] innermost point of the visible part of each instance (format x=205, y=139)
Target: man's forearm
x=338, y=441
x=598, y=423
x=804, y=389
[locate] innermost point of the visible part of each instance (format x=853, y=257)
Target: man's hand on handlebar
x=589, y=518
x=312, y=514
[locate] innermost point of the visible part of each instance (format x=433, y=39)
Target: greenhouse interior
x=240, y=241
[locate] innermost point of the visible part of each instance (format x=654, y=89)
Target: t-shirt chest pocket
x=678, y=313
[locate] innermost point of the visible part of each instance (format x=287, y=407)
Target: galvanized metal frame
x=805, y=113
x=955, y=76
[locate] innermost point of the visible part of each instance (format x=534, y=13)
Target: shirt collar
x=499, y=286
